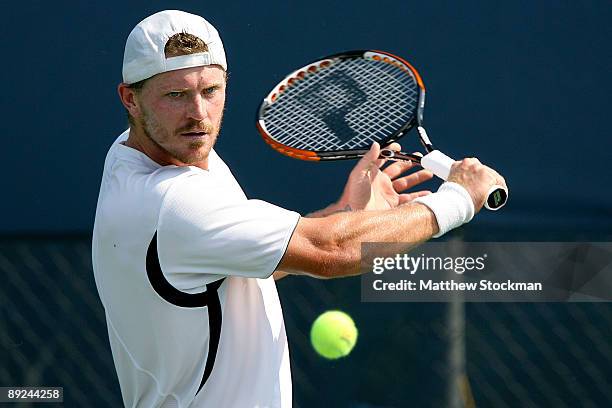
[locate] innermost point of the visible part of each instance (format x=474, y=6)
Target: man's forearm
x=329, y=210
x=331, y=246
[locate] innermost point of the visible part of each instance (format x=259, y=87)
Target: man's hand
x=476, y=178
x=370, y=188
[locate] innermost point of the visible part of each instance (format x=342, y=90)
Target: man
x=185, y=263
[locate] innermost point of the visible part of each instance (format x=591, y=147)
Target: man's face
x=181, y=112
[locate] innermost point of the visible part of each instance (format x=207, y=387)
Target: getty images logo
x=411, y=264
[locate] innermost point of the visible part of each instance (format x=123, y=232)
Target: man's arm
x=371, y=188
x=329, y=210
x=331, y=246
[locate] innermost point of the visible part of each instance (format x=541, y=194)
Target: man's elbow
x=336, y=261
x=321, y=248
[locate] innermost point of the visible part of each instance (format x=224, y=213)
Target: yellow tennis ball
x=333, y=334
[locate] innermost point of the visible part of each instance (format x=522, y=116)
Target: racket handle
x=440, y=165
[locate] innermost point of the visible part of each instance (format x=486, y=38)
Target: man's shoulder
x=130, y=166
x=132, y=179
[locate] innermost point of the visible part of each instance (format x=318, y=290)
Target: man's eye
x=210, y=91
x=174, y=94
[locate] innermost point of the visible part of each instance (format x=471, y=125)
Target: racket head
x=335, y=107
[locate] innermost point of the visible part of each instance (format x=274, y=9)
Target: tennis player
x=185, y=263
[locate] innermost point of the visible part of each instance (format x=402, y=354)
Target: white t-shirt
x=183, y=263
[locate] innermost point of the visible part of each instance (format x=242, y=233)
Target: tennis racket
x=336, y=107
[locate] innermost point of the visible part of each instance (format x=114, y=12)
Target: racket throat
x=393, y=155
x=425, y=139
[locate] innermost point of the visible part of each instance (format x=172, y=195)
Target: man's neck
x=139, y=141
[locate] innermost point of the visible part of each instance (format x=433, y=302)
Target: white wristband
x=451, y=204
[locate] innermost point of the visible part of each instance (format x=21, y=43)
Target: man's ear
x=128, y=99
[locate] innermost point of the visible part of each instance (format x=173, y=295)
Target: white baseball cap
x=144, y=49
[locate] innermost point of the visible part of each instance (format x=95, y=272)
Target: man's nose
x=197, y=108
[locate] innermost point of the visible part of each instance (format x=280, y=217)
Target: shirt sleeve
x=208, y=230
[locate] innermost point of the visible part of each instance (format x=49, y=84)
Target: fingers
x=499, y=180
x=401, y=166
x=411, y=180
x=373, y=153
x=406, y=198
x=393, y=147
x=476, y=178
x=474, y=163
x=369, y=160
x=396, y=169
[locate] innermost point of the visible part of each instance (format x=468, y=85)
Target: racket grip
x=440, y=165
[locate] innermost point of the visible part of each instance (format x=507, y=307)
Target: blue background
x=522, y=85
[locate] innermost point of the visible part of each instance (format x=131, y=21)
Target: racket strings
x=348, y=105
x=332, y=94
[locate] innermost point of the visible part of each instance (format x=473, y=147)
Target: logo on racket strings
x=332, y=99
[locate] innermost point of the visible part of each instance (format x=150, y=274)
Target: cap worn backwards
x=144, y=49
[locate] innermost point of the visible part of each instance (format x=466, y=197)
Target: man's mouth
x=195, y=133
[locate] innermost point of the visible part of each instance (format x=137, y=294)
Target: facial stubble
x=154, y=132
